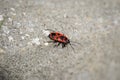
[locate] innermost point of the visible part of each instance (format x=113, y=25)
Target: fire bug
x=58, y=37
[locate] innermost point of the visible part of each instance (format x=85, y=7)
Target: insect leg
x=63, y=45
x=50, y=41
x=57, y=44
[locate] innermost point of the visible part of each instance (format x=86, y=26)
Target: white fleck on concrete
x=1, y=18
x=24, y=13
x=5, y=29
x=36, y=41
x=23, y=37
x=46, y=44
x=10, y=19
x=10, y=38
x=27, y=35
x=46, y=32
x=2, y=50
x=13, y=9
x=18, y=24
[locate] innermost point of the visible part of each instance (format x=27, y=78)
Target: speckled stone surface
x=25, y=55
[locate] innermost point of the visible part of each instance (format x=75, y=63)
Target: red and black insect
x=60, y=38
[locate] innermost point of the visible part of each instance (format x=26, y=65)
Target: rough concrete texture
x=93, y=23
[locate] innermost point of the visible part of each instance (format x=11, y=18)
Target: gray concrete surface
x=93, y=23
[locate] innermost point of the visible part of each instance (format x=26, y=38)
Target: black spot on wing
x=63, y=38
x=58, y=33
x=53, y=34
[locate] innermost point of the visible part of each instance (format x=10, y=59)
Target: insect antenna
x=76, y=42
x=49, y=30
x=72, y=47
